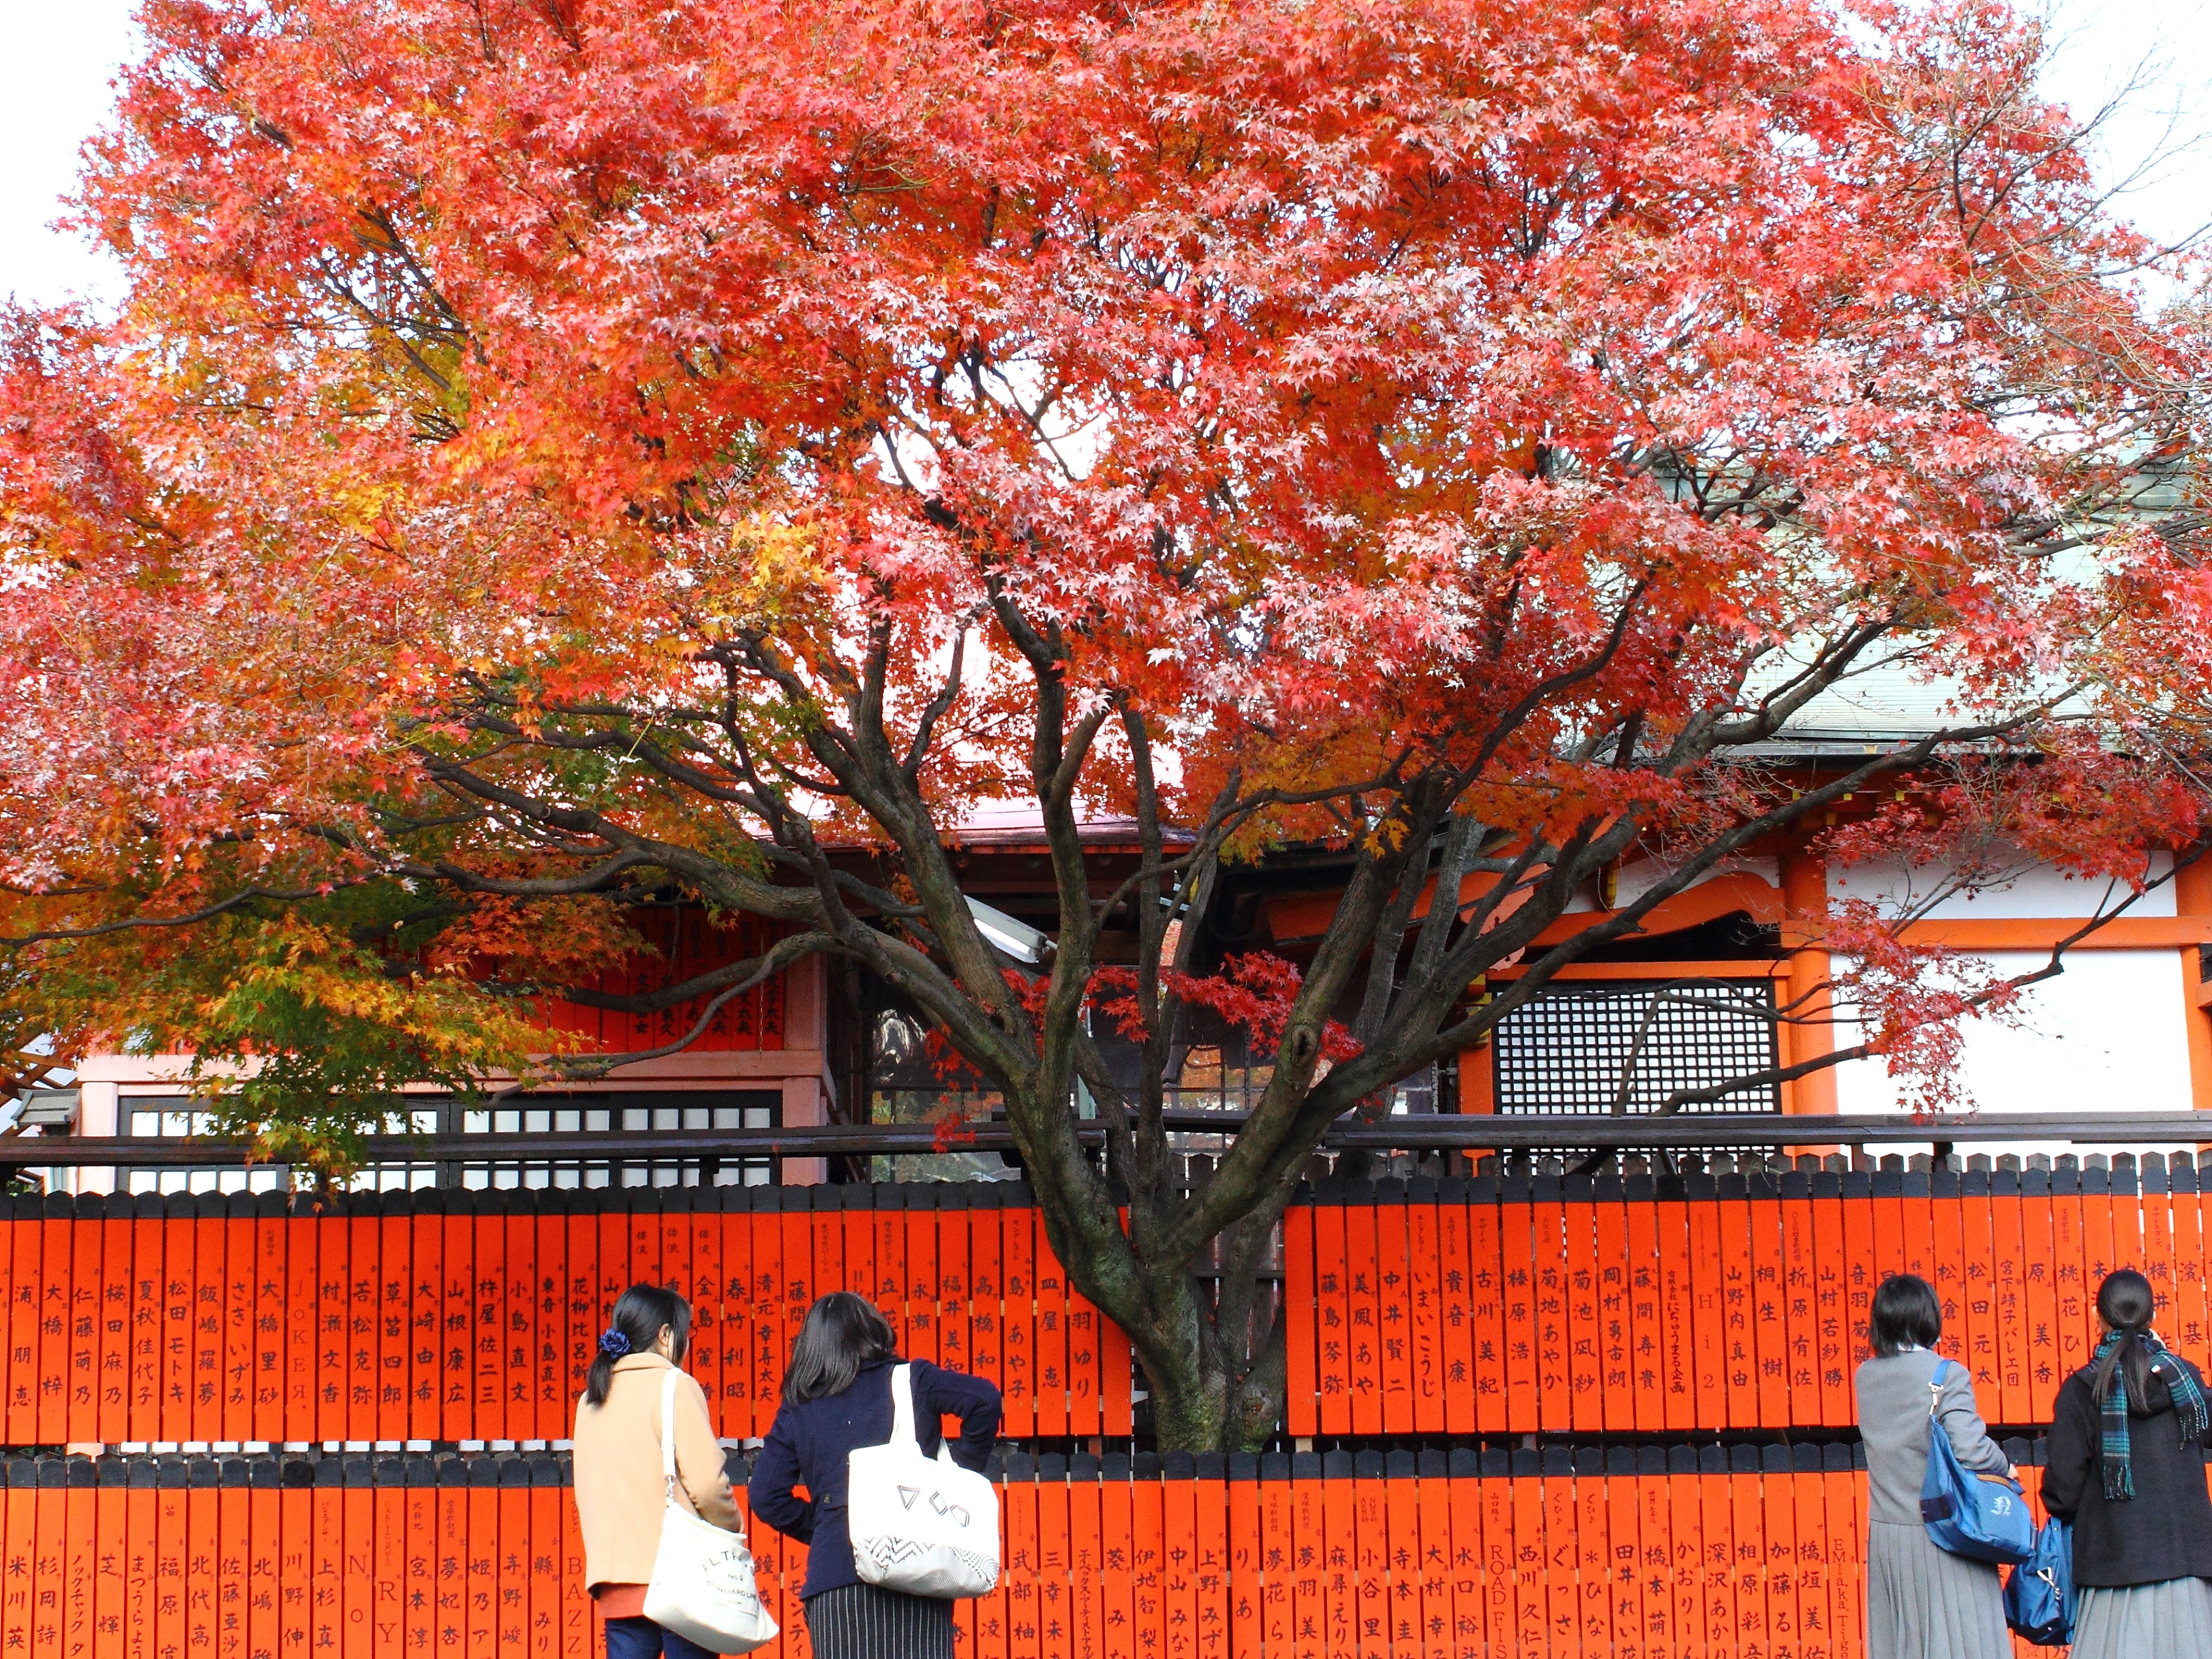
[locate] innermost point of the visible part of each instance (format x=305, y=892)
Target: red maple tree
x=555, y=452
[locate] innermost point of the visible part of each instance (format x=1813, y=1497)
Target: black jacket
x=810, y=1440
x=2164, y=1531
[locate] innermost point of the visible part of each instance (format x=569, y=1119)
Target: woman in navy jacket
x=2125, y=1464
x=837, y=1396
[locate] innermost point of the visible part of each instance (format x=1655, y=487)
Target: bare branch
x=207, y=913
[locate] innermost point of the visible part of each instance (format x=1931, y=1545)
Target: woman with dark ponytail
x=2125, y=1464
x=619, y=1495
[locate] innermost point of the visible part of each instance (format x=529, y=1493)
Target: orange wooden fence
x=1639, y=1317
x=471, y=1317
x=1651, y=1553
x=1474, y=1307
x=1645, y=1554
x=1665, y=1306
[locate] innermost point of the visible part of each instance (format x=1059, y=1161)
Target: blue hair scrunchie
x=614, y=1343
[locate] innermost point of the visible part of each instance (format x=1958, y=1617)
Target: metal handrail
x=1708, y=1129
x=1413, y=1133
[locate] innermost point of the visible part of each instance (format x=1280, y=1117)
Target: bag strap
x=903, y=1407
x=668, y=1431
x=1936, y=1388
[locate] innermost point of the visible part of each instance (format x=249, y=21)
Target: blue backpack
x=2038, y=1597
x=1982, y=1517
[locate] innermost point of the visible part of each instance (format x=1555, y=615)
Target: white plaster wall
x=95, y=1114
x=2039, y=890
x=2107, y=1035
x=1645, y=873
x=1639, y=878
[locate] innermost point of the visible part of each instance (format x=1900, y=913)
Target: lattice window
x=591, y=1114
x=1569, y=1049
x=169, y=1116
x=175, y=1116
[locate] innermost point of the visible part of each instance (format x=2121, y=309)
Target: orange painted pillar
x=1477, y=1072
x=2192, y=897
x=1805, y=912
x=1477, y=1080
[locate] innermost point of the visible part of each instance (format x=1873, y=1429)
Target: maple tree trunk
x=1207, y=1394
x=1208, y=1338
x=1209, y=1409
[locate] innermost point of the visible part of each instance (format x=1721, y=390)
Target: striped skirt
x=2167, y=1621
x=866, y=1621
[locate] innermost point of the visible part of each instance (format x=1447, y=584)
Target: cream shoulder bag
x=702, y=1585
x=919, y=1524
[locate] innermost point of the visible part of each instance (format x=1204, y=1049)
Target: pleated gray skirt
x=1923, y=1603
x=2168, y=1620
x=866, y=1621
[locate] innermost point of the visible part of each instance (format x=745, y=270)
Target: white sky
x=56, y=58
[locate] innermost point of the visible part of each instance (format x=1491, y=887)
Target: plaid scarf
x=2180, y=1388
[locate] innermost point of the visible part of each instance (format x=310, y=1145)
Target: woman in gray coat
x=1922, y=1603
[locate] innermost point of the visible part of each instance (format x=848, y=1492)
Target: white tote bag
x=702, y=1585
x=923, y=1525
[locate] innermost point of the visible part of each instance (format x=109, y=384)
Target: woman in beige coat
x=619, y=1495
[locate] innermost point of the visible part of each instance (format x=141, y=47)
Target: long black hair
x=2125, y=1302
x=634, y=1326
x=1905, y=1313
x=842, y=1333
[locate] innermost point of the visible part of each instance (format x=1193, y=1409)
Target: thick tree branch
x=792, y=949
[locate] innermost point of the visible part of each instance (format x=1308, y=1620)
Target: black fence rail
x=1440, y=1133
